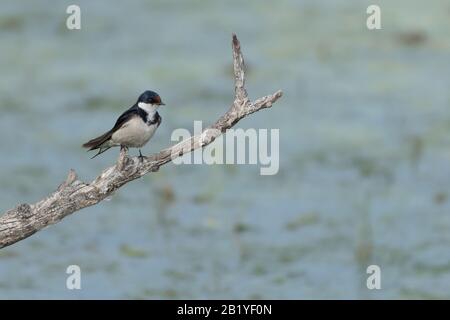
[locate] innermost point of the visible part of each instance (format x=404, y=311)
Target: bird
x=134, y=128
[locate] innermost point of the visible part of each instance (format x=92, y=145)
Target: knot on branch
x=122, y=161
x=24, y=211
x=71, y=178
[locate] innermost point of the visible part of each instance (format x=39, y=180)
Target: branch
x=73, y=195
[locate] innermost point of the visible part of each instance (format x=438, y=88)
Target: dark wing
x=124, y=117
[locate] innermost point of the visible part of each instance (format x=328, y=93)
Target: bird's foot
x=141, y=157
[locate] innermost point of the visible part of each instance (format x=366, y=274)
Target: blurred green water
x=364, y=146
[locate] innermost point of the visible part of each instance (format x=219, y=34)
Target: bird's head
x=149, y=100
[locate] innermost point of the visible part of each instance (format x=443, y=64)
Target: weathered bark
x=73, y=194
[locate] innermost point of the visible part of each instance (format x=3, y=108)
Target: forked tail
x=96, y=143
x=99, y=143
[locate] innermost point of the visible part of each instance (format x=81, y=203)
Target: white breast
x=135, y=133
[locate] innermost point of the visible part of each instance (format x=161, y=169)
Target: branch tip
x=71, y=177
x=236, y=44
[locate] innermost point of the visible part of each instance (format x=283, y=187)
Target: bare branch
x=73, y=194
x=239, y=72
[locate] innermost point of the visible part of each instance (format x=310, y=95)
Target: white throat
x=148, y=107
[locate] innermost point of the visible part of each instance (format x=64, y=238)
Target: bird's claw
x=141, y=157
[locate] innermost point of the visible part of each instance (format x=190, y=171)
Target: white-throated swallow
x=134, y=128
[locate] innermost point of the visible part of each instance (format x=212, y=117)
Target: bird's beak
x=162, y=104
